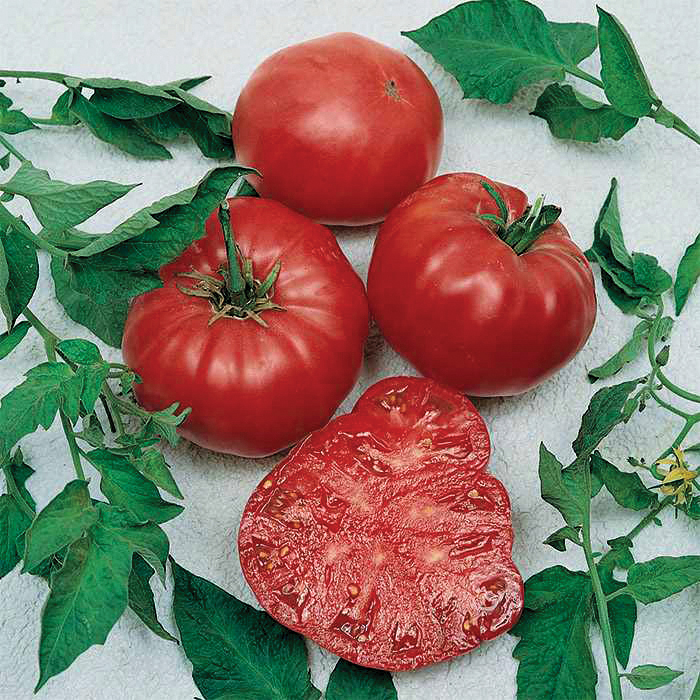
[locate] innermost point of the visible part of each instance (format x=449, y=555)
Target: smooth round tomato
x=462, y=306
x=255, y=385
x=342, y=128
x=382, y=537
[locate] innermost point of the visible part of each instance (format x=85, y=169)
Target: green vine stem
x=602, y=607
x=12, y=149
x=37, y=74
x=7, y=219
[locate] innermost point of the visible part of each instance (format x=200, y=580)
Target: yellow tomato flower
x=678, y=481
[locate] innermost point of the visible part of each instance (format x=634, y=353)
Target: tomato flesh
x=342, y=128
x=381, y=537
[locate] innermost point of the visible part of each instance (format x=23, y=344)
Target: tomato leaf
x=125, y=135
x=97, y=282
x=627, y=353
x=571, y=115
x=124, y=103
x=141, y=598
x=659, y=578
x=496, y=48
x=236, y=650
x=649, y=274
x=88, y=595
x=11, y=339
x=13, y=121
x=60, y=205
x=152, y=464
x=126, y=487
x=622, y=612
x=63, y=521
x=567, y=495
x=163, y=424
x=14, y=521
x=80, y=351
x=60, y=113
x=625, y=81
x=626, y=488
x=22, y=271
x=48, y=387
x=351, y=682
x=650, y=676
x=558, y=538
x=687, y=274
x=554, y=650
x=608, y=407
x=695, y=695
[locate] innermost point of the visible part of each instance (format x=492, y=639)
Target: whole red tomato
x=476, y=303
x=342, y=128
x=260, y=383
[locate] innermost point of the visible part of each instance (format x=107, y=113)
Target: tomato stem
x=234, y=278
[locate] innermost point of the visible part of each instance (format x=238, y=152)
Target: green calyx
x=525, y=230
x=237, y=294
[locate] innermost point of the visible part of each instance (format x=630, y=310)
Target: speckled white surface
x=658, y=172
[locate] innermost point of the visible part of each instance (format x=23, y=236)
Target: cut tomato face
x=381, y=537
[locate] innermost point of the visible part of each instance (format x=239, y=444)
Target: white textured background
x=658, y=172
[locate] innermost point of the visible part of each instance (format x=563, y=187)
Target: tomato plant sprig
x=495, y=48
x=636, y=284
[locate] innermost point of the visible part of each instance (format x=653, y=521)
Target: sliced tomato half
x=381, y=537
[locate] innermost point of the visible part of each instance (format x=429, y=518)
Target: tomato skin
x=332, y=135
x=382, y=536
x=462, y=307
x=253, y=391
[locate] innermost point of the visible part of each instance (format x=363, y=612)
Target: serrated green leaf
x=608, y=408
x=608, y=230
x=351, y=682
x=80, y=351
x=5, y=161
x=4, y=280
x=571, y=115
x=22, y=269
x=14, y=121
x=648, y=273
x=127, y=488
x=14, y=520
x=146, y=539
x=64, y=520
x=650, y=676
x=659, y=578
x=622, y=613
x=92, y=431
x=496, y=48
x=620, y=554
x=236, y=650
x=93, y=377
x=125, y=135
x=627, y=353
x=141, y=598
x=129, y=104
x=88, y=595
x=558, y=538
x=186, y=83
x=626, y=303
x=695, y=695
x=47, y=387
x=152, y=464
x=554, y=650
x=60, y=112
x=626, y=488
x=568, y=497
x=163, y=424
x=99, y=298
x=11, y=339
x=625, y=81
x=61, y=205
x=687, y=274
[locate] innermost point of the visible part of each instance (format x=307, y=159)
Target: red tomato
x=253, y=390
x=342, y=128
x=462, y=306
x=381, y=537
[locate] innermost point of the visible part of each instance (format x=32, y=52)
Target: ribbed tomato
x=262, y=375
x=491, y=306
x=342, y=128
x=381, y=536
